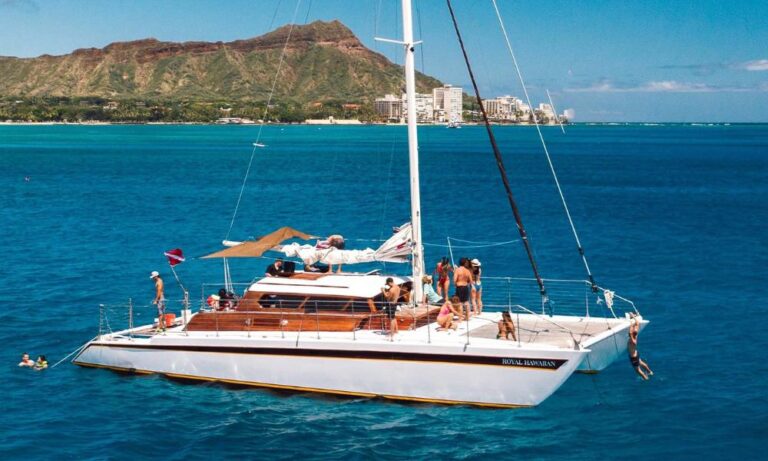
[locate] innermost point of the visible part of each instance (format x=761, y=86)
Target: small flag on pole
x=174, y=256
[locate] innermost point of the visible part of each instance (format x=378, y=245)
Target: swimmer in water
x=41, y=363
x=26, y=361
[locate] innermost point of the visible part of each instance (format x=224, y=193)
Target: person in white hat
x=477, y=286
x=159, y=299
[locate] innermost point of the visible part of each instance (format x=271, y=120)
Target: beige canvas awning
x=256, y=248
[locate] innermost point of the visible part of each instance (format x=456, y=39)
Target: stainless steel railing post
x=130, y=318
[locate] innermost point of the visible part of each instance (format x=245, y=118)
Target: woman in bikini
x=477, y=287
x=506, y=327
x=449, y=309
x=443, y=281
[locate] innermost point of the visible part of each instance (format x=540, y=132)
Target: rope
x=263, y=118
x=450, y=251
x=71, y=354
x=499, y=160
x=470, y=246
x=546, y=150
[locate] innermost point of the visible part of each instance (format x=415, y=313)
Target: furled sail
x=396, y=249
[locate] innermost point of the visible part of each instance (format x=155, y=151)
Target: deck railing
x=516, y=296
x=564, y=297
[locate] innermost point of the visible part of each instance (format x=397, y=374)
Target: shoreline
x=363, y=124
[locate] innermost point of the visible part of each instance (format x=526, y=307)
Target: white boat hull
x=431, y=373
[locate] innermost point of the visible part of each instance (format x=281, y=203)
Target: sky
x=652, y=61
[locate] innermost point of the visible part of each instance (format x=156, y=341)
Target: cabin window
x=319, y=304
x=276, y=301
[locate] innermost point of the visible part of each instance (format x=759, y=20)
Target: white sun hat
x=154, y=274
x=476, y=262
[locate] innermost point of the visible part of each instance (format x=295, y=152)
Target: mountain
x=324, y=61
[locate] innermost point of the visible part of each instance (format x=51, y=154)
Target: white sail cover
x=396, y=249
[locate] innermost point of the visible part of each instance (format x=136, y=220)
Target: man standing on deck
x=462, y=277
x=391, y=294
x=634, y=356
x=159, y=299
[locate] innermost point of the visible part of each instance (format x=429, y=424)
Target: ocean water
x=672, y=217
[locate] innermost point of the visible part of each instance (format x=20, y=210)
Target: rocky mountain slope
x=324, y=61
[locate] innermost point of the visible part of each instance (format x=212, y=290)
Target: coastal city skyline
x=445, y=105
x=656, y=61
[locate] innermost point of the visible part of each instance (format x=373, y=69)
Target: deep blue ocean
x=672, y=217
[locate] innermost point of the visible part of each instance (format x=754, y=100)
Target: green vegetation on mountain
x=326, y=71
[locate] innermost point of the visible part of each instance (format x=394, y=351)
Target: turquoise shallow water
x=671, y=216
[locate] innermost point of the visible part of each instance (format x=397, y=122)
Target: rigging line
x=72, y=353
x=499, y=161
x=376, y=13
x=421, y=36
x=546, y=150
x=394, y=138
x=471, y=246
x=554, y=111
x=263, y=120
x=274, y=15
x=479, y=242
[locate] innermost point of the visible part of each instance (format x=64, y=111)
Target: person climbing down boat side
x=634, y=356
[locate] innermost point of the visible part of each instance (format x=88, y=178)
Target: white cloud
x=658, y=86
x=756, y=65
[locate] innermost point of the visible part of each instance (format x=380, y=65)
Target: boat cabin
x=315, y=302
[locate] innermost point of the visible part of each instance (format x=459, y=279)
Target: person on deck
x=449, y=309
x=226, y=299
x=462, y=278
x=443, y=281
x=159, y=300
x=275, y=269
x=634, y=356
x=26, y=361
x=477, y=286
x=391, y=294
x=506, y=327
x=41, y=363
x=333, y=241
x=430, y=296
x=405, y=293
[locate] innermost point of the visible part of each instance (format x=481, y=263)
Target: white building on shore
x=390, y=107
x=395, y=109
x=448, y=103
x=445, y=105
x=425, y=112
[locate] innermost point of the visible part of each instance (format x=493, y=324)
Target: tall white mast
x=413, y=150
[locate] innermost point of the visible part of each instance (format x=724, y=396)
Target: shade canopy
x=256, y=248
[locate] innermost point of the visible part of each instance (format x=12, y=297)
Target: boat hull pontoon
x=485, y=372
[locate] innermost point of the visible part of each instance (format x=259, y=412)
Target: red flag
x=174, y=256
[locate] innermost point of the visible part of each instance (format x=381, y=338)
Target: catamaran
x=331, y=332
